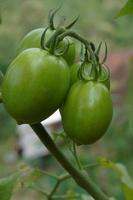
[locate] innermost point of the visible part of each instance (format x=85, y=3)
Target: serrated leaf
x=126, y=180
x=7, y=186
x=127, y=9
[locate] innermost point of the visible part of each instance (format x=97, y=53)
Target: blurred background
x=97, y=23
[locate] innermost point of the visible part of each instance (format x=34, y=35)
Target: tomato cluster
x=45, y=77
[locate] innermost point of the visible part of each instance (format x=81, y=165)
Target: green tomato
x=33, y=38
x=87, y=112
x=35, y=85
x=74, y=77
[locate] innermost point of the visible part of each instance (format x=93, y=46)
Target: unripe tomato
x=35, y=85
x=33, y=38
x=87, y=112
x=74, y=77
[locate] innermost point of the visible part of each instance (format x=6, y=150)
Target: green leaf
x=127, y=9
x=24, y=177
x=7, y=186
x=126, y=180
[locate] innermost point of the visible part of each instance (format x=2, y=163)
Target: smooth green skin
x=35, y=85
x=74, y=75
x=33, y=38
x=87, y=112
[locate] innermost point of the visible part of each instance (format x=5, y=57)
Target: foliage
x=121, y=171
x=27, y=177
x=7, y=186
x=127, y=9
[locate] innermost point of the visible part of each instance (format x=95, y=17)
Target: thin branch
x=83, y=181
x=59, y=181
x=95, y=164
x=76, y=156
x=48, y=174
x=35, y=187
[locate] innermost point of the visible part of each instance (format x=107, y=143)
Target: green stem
x=52, y=41
x=48, y=174
x=83, y=181
x=72, y=23
x=87, y=44
x=51, y=16
x=76, y=156
x=42, y=42
x=59, y=181
x=80, y=38
x=35, y=187
x=90, y=165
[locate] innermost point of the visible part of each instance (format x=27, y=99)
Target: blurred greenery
x=127, y=9
x=97, y=22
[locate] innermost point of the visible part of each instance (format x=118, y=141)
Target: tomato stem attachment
x=72, y=23
x=106, y=53
x=107, y=73
x=83, y=181
x=76, y=156
x=51, y=17
x=52, y=42
x=42, y=42
x=79, y=38
x=89, y=46
x=50, y=45
x=103, y=60
x=89, y=76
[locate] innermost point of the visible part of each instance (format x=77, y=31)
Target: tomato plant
x=32, y=88
x=40, y=80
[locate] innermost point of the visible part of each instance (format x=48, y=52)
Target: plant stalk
x=84, y=182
